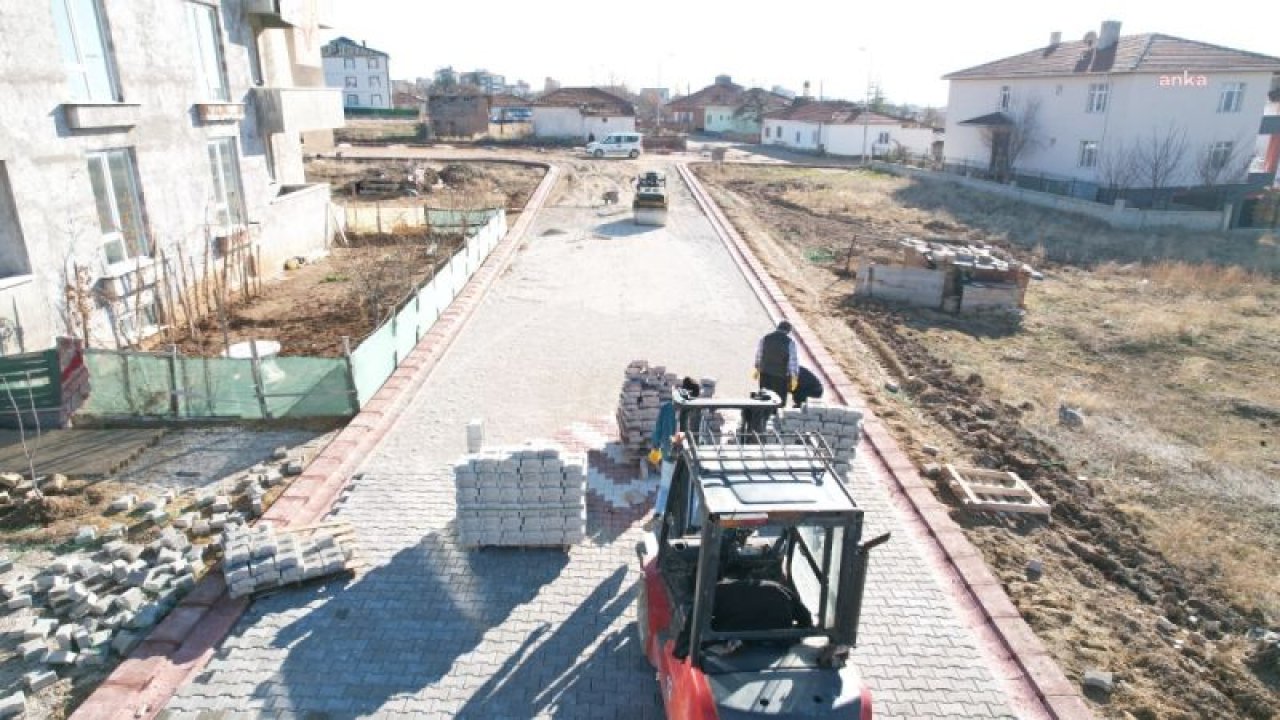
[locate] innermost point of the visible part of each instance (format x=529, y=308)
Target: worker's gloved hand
x=795, y=383
x=655, y=456
x=755, y=373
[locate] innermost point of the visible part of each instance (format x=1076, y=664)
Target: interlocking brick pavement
x=431, y=630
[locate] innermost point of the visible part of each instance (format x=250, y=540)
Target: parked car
x=617, y=144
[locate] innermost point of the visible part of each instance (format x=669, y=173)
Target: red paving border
x=184, y=641
x=1026, y=667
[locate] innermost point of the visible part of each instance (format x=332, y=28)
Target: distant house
x=839, y=127
x=1103, y=103
x=360, y=71
x=581, y=113
x=505, y=107
x=724, y=107
x=460, y=114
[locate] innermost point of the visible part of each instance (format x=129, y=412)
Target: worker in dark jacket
x=807, y=386
x=777, y=362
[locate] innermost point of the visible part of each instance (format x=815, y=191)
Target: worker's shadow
x=400, y=627
x=552, y=674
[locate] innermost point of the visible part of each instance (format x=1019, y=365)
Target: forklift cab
x=759, y=570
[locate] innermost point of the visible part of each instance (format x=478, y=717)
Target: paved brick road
x=430, y=630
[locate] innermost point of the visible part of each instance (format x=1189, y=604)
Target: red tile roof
x=831, y=112
x=1149, y=53
x=591, y=101
x=727, y=94
x=507, y=100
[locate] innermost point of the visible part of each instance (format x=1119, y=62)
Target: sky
x=904, y=47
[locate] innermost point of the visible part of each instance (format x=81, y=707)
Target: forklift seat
x=744, y=604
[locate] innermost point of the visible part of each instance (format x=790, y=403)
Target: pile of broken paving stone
x=263, y=558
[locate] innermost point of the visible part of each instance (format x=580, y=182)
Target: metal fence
x=178, y=387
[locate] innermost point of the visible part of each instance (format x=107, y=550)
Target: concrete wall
x=296, y=220
x=1138, y=105
x=1114, y=215
x=895, y=283
x=150, y=44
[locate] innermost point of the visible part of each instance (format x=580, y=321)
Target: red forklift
x=753, y=578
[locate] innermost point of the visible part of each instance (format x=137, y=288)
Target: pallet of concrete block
x=982, y=490
x=264, y=558
x=530, y=496
x=840, y=426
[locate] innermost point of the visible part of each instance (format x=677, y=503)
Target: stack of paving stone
x=644, y=390
x=840, y=426
x=83, y=607
x=532, y=496
x=263, y=558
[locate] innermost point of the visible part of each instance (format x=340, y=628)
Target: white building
x=838, y=127
x=360, y=71
x=581, y=113
x=138, y=132
x=1104, y=106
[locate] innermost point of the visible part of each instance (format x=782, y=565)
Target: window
x=82, y=35
x=376, y=101
x=373, y=63
x=351, y=81
x=1232, y=97
x=1220, y=154
x=797, y=136
x=1005, y=96
x=208, y=51
x=348, y=63
x=883, y=139
x=375, y=81
x=13, y=248
x=352, y=100
x=228, y=195
x=115, y=192
x=1088, y=153
x=1098, y=93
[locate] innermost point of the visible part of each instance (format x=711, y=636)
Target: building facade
x=1103, y=111
x=581, y=113
x=138, y=132
x=839, y=127
x=361, y=72
x=725, y=107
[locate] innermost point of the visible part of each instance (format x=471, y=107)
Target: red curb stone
x=1068, y=706
x=135, y=673
x=109, y=701
x=1048, y=675
x=927, y=513
x=995, y=602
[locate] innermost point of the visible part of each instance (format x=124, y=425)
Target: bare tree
x=1158, y=157
x=1010, y=142
x=1222, y=164
x=1117, y=169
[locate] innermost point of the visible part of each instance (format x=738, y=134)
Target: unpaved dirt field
x=1166, y=502
x=455, y=185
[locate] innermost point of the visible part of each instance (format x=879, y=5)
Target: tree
x=1224, y=163
x=1011, y=141
x=1158, y=157
x=931, y=117
x=1117, y=169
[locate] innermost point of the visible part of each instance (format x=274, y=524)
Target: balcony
x=101, y=116
x=306, y=14
x=219, y=112
x=299, y=109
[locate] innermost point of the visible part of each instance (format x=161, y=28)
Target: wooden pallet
x=981, y=490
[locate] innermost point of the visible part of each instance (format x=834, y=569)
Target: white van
x=617, y=144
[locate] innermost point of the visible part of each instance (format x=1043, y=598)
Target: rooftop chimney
x=1109, y=34
x=806, y=89
x=724, y=80
x=1054, y=39
x=1090, y=38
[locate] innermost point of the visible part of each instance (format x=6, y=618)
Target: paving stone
x=218, y=521
x=6, y=564
x=220, y=504
x=145, y=617
x=18, y=601
x=294, y=467
x=125, y=641
x=82, y=639
x=114, y=530
x=100, y=639
x=33, y=650
x=13, y=705
x=61, y=657
x=1100, y=680
x=152, y=504
x=186, y=520
x=86, y=534
x=40, y=628
x=37, y=680
x=131, y=599
x=158, y=516
x=124, y=503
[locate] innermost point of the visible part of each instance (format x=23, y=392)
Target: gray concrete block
x=37, y=680
x=77, y=592
x=152, y=504
x=124, y=642
x=81, y=638
x=220, y=504
x=18, y=601
x=13, y=705
x=114, y=530
x=158, y=516
x=40, y=628
x=146, y=616
x=124, y=503
x=61, y=657
x=131, y=599
x=33, y=650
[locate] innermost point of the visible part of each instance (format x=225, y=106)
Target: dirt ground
x=1166, y=502
x=454, y=185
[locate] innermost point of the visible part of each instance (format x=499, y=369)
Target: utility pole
x=866, y=106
